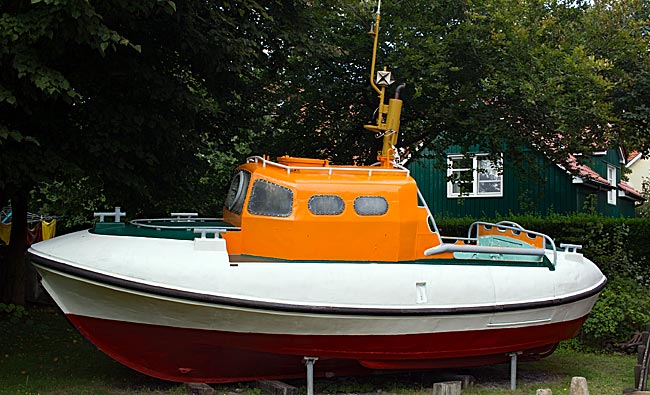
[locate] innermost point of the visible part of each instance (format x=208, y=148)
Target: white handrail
x=183, y=223
x=439, y=249
x=329, y=169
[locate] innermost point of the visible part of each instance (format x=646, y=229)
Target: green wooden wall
x=541, y=189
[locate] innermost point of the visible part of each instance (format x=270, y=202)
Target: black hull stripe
x=249, y=304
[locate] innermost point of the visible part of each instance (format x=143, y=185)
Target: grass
x=42, y=354
x=606, y=374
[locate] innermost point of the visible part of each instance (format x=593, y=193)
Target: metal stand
x=310, y=361
x=513, y=370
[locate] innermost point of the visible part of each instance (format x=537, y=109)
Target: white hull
x=135, y=296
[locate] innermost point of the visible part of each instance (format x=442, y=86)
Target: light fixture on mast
x=384, y=78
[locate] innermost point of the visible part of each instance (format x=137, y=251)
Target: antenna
x=388, y=115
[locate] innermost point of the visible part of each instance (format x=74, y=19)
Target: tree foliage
x=152, y=103
x=619, y=33
x=129, y=97
x=478, y=72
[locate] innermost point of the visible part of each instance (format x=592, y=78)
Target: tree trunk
x=13, y=267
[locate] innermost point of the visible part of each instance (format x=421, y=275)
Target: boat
x=340, y=267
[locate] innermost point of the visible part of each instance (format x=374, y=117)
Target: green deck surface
x=182, y=230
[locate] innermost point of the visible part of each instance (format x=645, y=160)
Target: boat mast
x=388, y=115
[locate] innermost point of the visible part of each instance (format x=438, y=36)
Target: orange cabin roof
x=306, y=209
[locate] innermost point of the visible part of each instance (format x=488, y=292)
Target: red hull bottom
x=193, y=355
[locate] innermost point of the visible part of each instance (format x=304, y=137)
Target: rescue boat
x=340, y=264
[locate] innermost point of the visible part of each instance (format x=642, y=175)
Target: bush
x=12, y=312
x=622, y=309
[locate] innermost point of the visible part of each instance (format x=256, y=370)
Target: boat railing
x=202, y=226
x=370, y=170
x=479, y=229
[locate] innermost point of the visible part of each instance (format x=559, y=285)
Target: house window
x=611, y=178
x=476, y=176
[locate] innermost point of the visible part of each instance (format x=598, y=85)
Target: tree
x=619, y=33
x=152, y=103
x=478, y=72
x=322, y=91
x=126, y=95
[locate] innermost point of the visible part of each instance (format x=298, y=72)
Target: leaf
x=16, y=135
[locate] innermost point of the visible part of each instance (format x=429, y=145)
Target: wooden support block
x=544, y=391
x=578, y=386
x=274, y=387
x=447, y=388
x=466, y=380
x=199, y=389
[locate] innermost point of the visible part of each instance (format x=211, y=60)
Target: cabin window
x=475, y=176
x=370, y=205
x=270, y=199
x=326, y=205
x=237, y=191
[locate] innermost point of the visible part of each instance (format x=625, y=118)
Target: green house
x=473, y=186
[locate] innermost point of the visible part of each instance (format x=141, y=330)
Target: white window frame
x=611, y=178
x=475, y=176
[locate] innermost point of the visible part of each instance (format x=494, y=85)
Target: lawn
x=43, y=354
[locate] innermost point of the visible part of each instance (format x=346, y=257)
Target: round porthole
x=237, y=191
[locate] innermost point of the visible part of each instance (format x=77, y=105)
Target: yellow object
x=48, y=229
x=388, y=117
x=5, y=233
x=392, y=122
x=375, y=32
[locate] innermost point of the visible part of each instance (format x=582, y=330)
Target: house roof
x=633, y=157
x=586, y=173
x=628, y=191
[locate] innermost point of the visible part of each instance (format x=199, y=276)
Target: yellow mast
x=388, y=115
